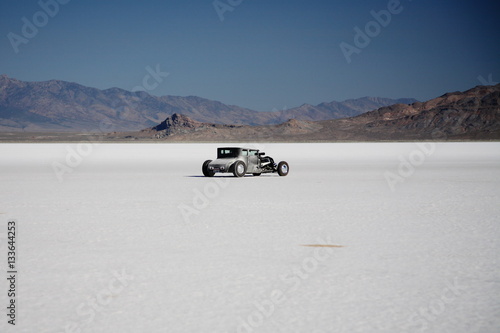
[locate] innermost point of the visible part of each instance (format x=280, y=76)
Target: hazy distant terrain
x=63, y=106
x=61, y=111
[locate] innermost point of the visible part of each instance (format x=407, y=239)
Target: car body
x=241, y=161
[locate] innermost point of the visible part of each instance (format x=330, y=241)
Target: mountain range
x=60, y=106
x=470, y=115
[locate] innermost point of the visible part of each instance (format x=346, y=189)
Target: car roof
x=237, y=148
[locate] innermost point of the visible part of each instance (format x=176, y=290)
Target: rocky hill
x=473, y=114
x=64, y=106
x=181, y=128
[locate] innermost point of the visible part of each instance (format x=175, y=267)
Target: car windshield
x=227, y=152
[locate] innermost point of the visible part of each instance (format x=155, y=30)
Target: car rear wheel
x=283, y=168
x=206, y=171
x=239, y=169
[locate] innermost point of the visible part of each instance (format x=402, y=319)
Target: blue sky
x=264, y=55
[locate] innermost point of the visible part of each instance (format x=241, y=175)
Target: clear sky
x=264, y=54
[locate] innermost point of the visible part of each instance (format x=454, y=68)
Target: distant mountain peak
x=5, y=79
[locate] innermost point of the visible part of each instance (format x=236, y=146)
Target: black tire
x=239, y=169
x=257, y=174
x=283, y=168
x=204, y=168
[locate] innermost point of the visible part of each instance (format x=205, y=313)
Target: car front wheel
x=283, y=168
x=239, y=169
x=206, y=171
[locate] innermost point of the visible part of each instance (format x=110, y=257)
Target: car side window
x=244, y=152
x=225, y=153
x=253, y=152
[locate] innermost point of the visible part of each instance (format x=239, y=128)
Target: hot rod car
x=241, y=161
